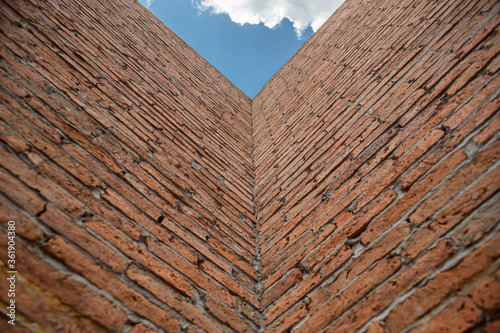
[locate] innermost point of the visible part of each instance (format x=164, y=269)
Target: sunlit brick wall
x=376, y=155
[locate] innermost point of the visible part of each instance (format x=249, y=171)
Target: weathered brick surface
x=357, y=192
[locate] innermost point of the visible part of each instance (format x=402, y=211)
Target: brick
x=231, y=257
x=395, y=286
x=133, y=300
x=26, y=227
x=492, y=327
x=136, y=159
x=485, y=294
x=457, y=183
x=280, y=288
x=140, y=328
x=227, y=316
x=5, y=326
x=42, y=185
x=375, y=327
x=456, y=213
x=334, y=308
x=250, y=313
x=66, y=289
x=77, y=171
x=122, y=205
x=308, y=283
x=173, y=300
x=235, y=283
x=12, y=140
x=412, y=196
x=190, y=271
x=480, y=223
x=63, y=225
x=45, y=142
x=293, y=316
x=131, y=249
x=459, y=316
x=21, y=194
x=31, y=299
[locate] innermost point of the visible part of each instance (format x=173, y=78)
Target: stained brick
x=227, y=316
x=135, y=252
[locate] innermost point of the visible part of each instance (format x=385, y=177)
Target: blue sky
x=246, y=40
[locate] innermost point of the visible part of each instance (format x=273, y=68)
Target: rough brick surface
x=357, y=192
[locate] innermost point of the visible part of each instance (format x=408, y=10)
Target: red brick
x=25, y=226
x=375, y=327
x=477, y=166
x=292, y=278
x=396, y=286
x=227, y=315
x=77, y=171
x=485, y=295
x=44, y=142
x=334, y=308
x=122, y=205
x=205, y=189
x=412, y=197
x=493, y=327
x=251, y=313
x=20, y=194
x=488, y=132
x=133, y=300
x=483, y=220
x=286, y=321
x=140, y=328
x=46, y=188
x=456, y=213
x=12, y=140
x=66, y=289
x=29, y=301
x=63, y=225
x=134, y=251
x=314, y=279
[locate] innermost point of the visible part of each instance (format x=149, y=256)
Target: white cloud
x=302, y=13
x=146, y=3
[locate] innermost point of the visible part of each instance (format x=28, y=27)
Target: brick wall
x=358, y=191
x=376, y=161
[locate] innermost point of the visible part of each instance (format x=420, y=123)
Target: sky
x=246, y=40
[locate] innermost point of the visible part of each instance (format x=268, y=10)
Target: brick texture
x=357, y=192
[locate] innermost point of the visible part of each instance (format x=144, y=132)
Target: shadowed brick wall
x=358, y=191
